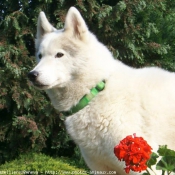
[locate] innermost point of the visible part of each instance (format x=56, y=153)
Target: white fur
x=140, y=101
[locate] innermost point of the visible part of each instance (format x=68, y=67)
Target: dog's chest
x=88, y=127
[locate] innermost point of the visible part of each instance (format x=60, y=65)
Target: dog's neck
x=84, y=101
x=63, y=99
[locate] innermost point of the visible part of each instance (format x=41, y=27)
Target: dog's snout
x=33, y=75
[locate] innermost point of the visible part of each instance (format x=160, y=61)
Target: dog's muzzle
x=33, y=75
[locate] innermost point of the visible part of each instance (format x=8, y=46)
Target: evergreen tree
x=138, y=32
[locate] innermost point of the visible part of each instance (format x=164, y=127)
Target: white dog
x=104, y=99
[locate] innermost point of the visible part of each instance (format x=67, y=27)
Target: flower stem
x=148, y=171
x=163, y=172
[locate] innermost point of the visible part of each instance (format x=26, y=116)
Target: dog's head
x=57, y=51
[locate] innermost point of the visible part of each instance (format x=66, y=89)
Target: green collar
x=84, y=101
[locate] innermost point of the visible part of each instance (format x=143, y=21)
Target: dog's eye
x=40, y=56
x=59, y=55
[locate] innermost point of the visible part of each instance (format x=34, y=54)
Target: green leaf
x=121, y=5
x=164, y=151
x=167, y=163
x=152, y=160
x=145, y=174
x=29, y=130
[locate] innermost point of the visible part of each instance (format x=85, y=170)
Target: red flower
x=135, y=151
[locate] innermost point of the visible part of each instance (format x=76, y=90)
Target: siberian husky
x=105, y=100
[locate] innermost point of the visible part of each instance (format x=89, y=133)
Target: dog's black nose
x=33, y=75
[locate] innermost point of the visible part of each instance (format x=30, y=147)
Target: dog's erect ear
x=43, y=26
x=75, y=24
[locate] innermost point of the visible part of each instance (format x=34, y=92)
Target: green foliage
x=167, y=164
x=152, y=160
x=139, y=32
x=164, y=151
x=166, y=161
x=42, y=164
x=27, y=119
x=133, y=31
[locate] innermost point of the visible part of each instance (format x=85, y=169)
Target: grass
x=41, y=164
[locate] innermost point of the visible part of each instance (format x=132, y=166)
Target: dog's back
x=134, y=101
